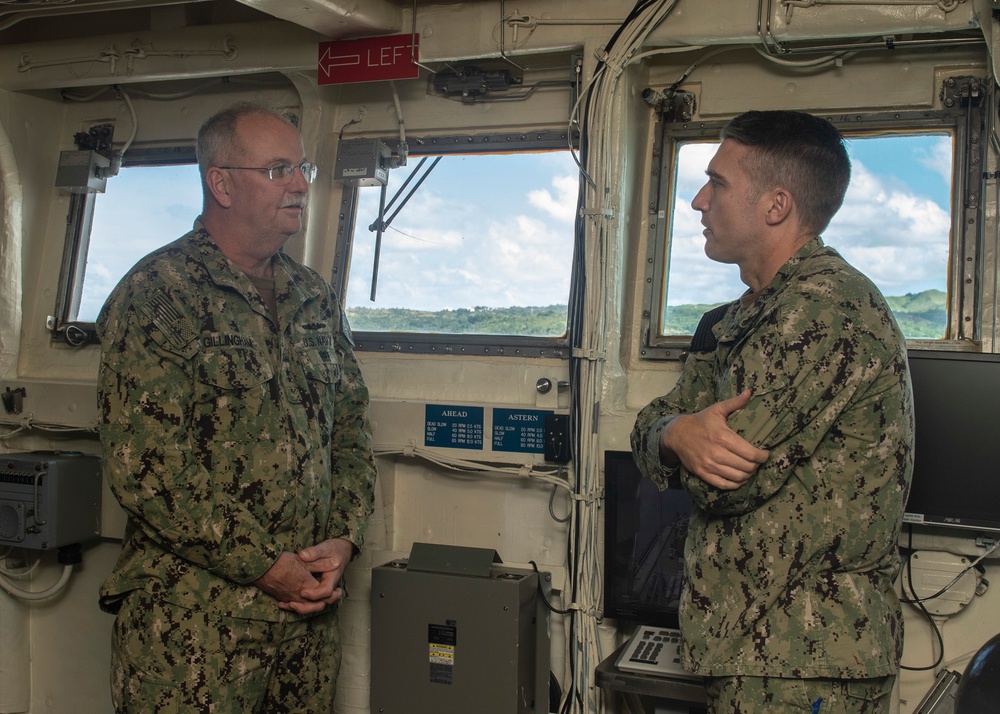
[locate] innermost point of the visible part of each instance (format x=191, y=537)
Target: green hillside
x=549, y=321
x=922, y=315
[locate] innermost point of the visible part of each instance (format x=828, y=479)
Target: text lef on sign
x=370, y=59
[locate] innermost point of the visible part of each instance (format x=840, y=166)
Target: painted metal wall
x=417, y=501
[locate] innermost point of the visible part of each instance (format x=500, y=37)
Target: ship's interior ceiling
x=286, y=28
x=26, y=21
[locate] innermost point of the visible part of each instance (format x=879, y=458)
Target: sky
x=143, y=209
x=492, y=231
x=497, y=231
x=894, y=225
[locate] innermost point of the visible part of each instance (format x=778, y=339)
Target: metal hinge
x=962, y=91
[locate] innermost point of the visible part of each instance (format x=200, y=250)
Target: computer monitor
x=956, y=474
x=644, y=533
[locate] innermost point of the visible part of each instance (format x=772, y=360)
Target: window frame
x=79, y=224
x=967, y=263
x=441, y=343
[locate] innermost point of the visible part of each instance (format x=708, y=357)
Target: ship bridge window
x=902, y=224
x=153, y=200
x=475, y=251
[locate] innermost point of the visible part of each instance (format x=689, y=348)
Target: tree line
x=920, y=315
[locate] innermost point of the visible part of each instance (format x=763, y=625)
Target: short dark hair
x=800, y=152
x=218, y=143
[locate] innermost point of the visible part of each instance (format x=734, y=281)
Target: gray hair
x=218, y=142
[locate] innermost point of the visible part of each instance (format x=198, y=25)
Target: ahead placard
x=453, y=426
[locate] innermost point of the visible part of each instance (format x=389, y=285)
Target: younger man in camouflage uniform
x=236, y=436
x=791, y=426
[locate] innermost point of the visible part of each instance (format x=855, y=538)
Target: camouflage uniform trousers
x=753, y=695
x=167, y=659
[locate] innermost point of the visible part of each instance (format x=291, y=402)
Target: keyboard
x=654, y=650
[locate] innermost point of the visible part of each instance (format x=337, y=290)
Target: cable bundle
x=599, y=223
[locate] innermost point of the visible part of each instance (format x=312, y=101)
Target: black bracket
x=98, y=138
x=13, y=400
x=962, y=91
x=673, y=106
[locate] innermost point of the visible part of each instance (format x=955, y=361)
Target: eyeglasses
x=282, y=173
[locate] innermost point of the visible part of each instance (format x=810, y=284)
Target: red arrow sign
x=370, y=59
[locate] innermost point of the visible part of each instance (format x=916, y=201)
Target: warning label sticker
x=441, y=641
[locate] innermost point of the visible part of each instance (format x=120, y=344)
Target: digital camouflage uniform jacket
x=792, y=574
x=226, y=439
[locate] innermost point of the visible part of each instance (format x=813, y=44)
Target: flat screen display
x=956, y=473
x=644, y=534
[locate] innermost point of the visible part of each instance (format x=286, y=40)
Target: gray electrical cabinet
x=363, y=162
x=81, y=172
x=454, y=631
x=49, y=499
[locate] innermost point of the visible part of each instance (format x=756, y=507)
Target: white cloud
x=511, y=244
x=462, y=246
x=562, y=205
x=939, y=159
x=691, y=171
x=897, y=237
x=142, y=209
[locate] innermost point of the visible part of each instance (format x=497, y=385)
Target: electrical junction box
x=454, y=631
x=49, y=499
x=79, y=172
x=363, y=162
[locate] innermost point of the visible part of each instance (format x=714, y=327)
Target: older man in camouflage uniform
x=236, y=436
x=791, y=426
